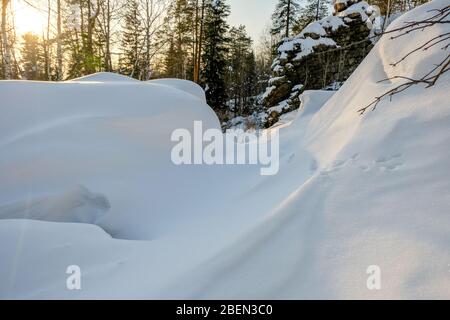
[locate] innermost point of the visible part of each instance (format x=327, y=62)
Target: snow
x=76, y=205
x=333, y=23
x=297, y=87
x=274, y=80
x=268, y=92
x=308, y=45
x=316, y=33
x=183, y=85
x=321, y=29
x=312, y=100
x=278, y=68
x=353, y=191
x=288, y=45
x=279, y=108
x=313, y=28
x=362, y=8
x=105, y=77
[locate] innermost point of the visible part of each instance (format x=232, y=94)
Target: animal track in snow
x=388, y=159
x=390, y=163
x=313, y=166
x=336, y=166
x=391, y=167
x=382, y=163
x=339, y=164
x=364, y=168
x=291, y=158
x=385, y=163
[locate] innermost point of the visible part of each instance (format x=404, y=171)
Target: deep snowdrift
x=352, y=192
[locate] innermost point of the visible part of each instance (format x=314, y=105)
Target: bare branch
x=432, y=76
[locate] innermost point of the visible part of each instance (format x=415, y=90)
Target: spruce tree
x=284, y=16
x=179, y=31
x=32, y=58
x=215, y=53
x=131, y=57
x=250, y=83
x=170, y=63
x=314, y=10
x=239, y=51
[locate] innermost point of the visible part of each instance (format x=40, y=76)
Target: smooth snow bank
x=183, y=85
x=352, y=192
x=112, y=139
x=313, y=100
x=76, y=205
x=105, y=77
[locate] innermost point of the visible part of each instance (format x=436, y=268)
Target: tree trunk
x=200, y=43
x=288, y=18
x=318, y=9
x=91, y=19
x=7, y=68
x=196, y=41
x=147, y=41
x=48, y=74
x=59, y=60
x=108, y=60
x=388, y=13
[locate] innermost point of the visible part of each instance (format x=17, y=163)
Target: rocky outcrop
x=323, y=55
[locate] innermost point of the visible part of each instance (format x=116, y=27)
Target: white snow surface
x=362, y=8
x=88, y=164
x=314, y=28
x=183, y=85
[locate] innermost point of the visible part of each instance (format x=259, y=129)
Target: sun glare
x=29, y=18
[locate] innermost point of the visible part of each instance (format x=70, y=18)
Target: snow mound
x=353, y=192
x=57, y=135
x=183, y=85
x=313, y=100
x=76, y=205
x=105, y=77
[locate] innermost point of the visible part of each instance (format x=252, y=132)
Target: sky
x=29, y=18
x=254, y=14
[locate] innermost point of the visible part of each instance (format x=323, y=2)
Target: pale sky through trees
x=28, y=18
x=254, y=14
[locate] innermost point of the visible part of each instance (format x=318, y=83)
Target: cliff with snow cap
x=322, y=55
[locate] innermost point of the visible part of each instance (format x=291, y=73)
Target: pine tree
x=284, y=16
x=239, y=51
x=131, y=58
x=250, y=83
x=170, y=63
x=80, y=37
x=180, y=33
x=92, y=60
x=72, y=40
x=33, y=63
x=313, y=11
x=215, y=53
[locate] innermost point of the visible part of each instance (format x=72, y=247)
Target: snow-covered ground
x=86, y=179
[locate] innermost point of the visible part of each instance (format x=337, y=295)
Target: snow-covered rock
x=323, y=53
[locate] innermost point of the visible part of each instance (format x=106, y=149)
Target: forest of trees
x=146, y=39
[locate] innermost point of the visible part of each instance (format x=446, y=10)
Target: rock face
x=323, y=55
